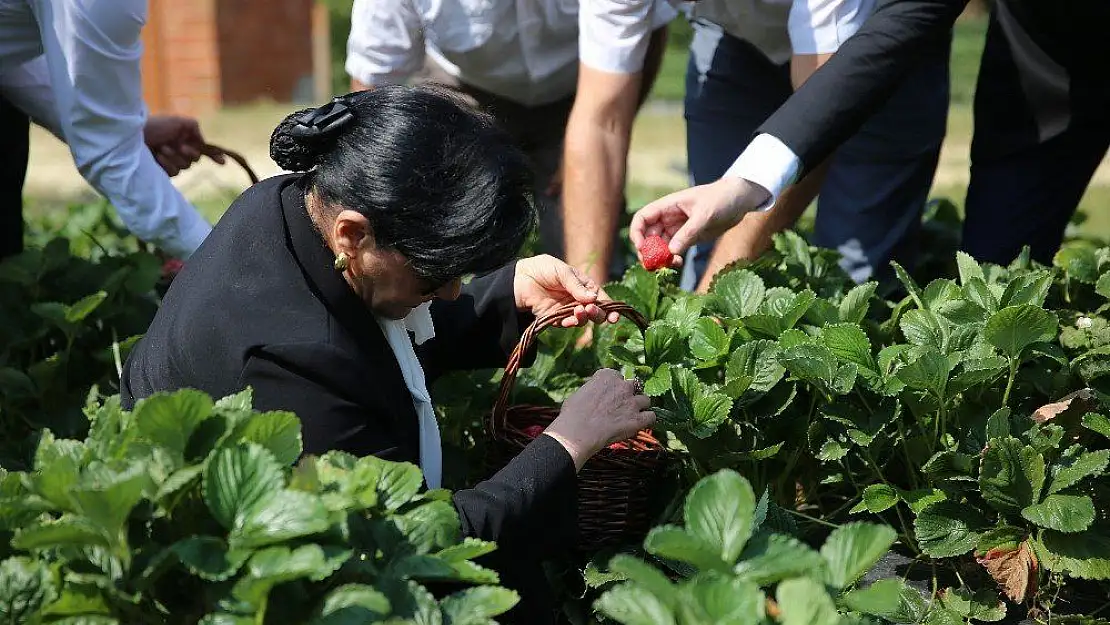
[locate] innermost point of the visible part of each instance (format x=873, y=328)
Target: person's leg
x=1024, y=188
x=731, y=88
x=15, y=128
x=870, y=204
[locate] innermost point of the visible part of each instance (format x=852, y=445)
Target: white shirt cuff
x=194, y=229
x=768, y=163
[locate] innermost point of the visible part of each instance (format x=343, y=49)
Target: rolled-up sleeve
x=822, y=26
x=386, y=42
x=613, y=35
x=93, y=53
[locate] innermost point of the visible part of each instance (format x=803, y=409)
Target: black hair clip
x=322, y=121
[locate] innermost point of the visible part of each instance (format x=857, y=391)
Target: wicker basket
x=615, y=485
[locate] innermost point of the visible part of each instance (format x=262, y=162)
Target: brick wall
x=265, y=49
x=202, y=54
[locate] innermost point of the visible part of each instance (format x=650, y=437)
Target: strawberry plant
x=188, y=510
x=719, y=567
x=66, y=324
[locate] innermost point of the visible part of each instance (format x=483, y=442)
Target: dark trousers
x=870, y=204
x=15, y=144
x=1027, y=180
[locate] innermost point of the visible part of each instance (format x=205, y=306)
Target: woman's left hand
x=545, y=283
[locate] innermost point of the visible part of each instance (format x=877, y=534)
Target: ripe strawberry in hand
x=656, y=253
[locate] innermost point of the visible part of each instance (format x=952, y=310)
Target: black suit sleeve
x=529, y=505
x=840, y=96
x=478, y=330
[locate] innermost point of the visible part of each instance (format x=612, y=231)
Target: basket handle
x=211, y=151
x=508, y=381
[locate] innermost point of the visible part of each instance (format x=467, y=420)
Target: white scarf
x=419, y=322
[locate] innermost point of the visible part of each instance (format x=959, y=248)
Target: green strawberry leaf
x=879, y=497
x=968, y=268
x=280, y=516
x=889, y=599
x=475, y=606
x=1014, y=328
x=759, y=361
x=925, y=369
x=854, y=548
x=849, y=343
x=770, y=558
x=630, y=604
x=170, y=419
x=238, y=478
x=715, y=599
x=1097, y=423
x=853, y=308
x=675, y=543
x=804, y=601
x=719, y=511
x=279, y=432
x=209, y=557
x=1011, y=475
x=925, y=328
x=1085, y=555
x=1063, y=513
x=708, y=340
x=1006, y=537
x=67, y=531
x=1070, y=471
x=684, y=313
x=738, y=294
x=352, y=603
x=26, y=586
x=948, y=529
x=1027, y=289
x=645, y=576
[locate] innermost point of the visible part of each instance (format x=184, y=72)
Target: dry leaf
x=1015, y=570
x=1086, y=403
x=773, y=609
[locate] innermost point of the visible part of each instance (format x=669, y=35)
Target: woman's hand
x=605, y=410
x=545, y=283
x=176, y=143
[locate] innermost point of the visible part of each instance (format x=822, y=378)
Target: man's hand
x=176, y=143
x=696, y=214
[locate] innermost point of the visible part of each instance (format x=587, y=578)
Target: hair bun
x=302, y=138
x=294, y=153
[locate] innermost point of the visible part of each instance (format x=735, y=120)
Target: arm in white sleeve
x=93, y=52
x=822, y=26
x=613, y=35
x=386, y=42
x=28, y=88
x=768, y=163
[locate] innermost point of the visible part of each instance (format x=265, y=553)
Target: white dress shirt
x=73, y=66
x=614, y=37
x=522, y=50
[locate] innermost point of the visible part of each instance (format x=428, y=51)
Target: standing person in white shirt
x=73, y=67
x=518, y=59
x=746, y=58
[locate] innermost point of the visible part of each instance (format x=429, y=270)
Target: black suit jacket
x=260, y=305
x=835, y=102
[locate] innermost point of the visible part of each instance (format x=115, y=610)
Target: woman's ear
x=351, y=232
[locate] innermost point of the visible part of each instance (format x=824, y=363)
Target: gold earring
x=341, y=261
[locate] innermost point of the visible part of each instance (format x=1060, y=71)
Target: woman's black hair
x=439, y=181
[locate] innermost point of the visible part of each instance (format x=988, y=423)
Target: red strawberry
x=171, y=267
x=656, y=253
x=533, y=430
